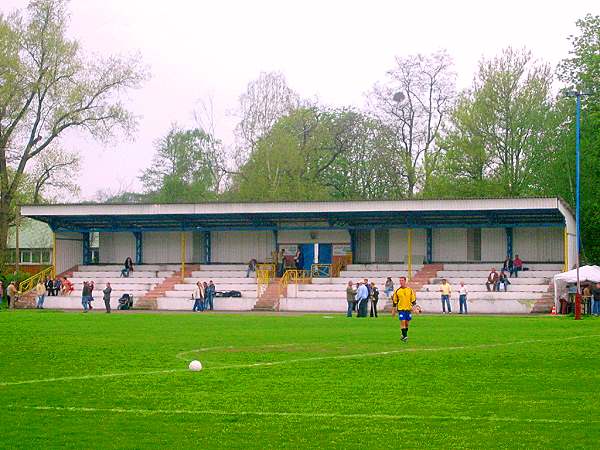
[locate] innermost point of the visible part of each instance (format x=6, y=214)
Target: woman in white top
x=462, y=297
x=198, y=296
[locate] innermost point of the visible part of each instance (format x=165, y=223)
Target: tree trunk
x=4, y=221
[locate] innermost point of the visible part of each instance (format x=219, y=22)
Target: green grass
x=460, y=382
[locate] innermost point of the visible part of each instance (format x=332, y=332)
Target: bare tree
x=266, y=99
x=53, y=175
x=426, y=88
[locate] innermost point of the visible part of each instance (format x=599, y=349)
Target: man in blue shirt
x=362, y=297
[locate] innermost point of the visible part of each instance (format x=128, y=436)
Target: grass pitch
x=121, y=381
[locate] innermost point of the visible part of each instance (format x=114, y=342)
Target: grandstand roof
x=303, y=215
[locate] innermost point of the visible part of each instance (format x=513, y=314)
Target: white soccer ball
x=195, y=366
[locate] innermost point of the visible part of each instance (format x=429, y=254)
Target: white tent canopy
x=561, y=280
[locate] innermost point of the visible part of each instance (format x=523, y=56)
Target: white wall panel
x=538, y=244
x=493, y=244
x=322, y=236
x=241, y=246
x=115, y=247
x=449, y=244
x=399, y=244
x=165, y=247
x=69, y=251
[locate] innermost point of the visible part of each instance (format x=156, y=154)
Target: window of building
x=35, y=256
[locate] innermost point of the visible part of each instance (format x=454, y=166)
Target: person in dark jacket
x=374, y=299
x=106, y=297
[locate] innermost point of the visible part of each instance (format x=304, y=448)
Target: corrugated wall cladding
x=538, y=244
x=321, y=236
x=449, y=244
x=69, y=250
x=399, y=245
x=493, y=244
x=115, y=247
x=241, y=246
x=165, y=247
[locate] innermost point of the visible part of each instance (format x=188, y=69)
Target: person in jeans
x=362, y=298
x=106, y=297
x=446, y=291
x=127, y=267
x=40, y=291
x=502, y=281
x=350, y=294
x=374, y=299
x=462, y=297
x=210, y=295
x=11, y=295
x=86, y=296
x=517, y=266
x=198, y=296
x=251, y=267
x=596, y=300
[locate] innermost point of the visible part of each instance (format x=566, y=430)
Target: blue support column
x=86, y=247
x=139, y=255
x=353, y=244
x=429, y=256
x=207, y=247
x=509, y=242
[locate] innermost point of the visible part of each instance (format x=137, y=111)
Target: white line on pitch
x=298, y=360
x=304, y=414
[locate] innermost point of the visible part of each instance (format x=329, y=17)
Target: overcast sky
x=333, y=51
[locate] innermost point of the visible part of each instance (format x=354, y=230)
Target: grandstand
x=175, y=245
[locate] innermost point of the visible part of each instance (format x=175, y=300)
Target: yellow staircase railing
x=263, y=277
x=30, y=283
x=320, y=271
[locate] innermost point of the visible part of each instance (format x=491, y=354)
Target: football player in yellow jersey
x=404, y=300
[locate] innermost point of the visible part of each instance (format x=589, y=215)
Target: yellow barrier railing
x=263, y=277
x=30, y=283
x=337, y=267
x=270, y=267
x=290, y=276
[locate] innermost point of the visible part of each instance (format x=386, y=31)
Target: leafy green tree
x=186, y=168
x=499, y=127
x=49, y=87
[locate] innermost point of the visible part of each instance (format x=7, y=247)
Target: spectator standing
x=40, y=291
x=210, y=295
x=198, y=296
x=281, y=262
x=446, y=291
x=502, y=281
x=106, y=297
x=596, y=300
x=299, y=259
x=85, y=296
x=57, y=285
x=374, y=299
x=492, y=280
x=127, y=267
x=517, y=266
x=11, y=294
x=92, y=286
x=462, y=297
x=389, y=287
x=362, y=298
x=507, y=266
x=350, y=298
x=49, y=286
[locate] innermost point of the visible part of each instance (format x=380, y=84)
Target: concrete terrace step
x=498, y=265
x=219, y=274
x=222, y=280
x=481, y=287
x=222, y=267
x=188, y=293
x=381, y=267
x=220, y=304
x=96, y=274
x=484, y=274
x=74, y=302
x=136, y=267
x=115, y=281
x=481, y=281
x=219, y=287
x=360, y=274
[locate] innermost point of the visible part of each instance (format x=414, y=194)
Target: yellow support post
x=409, y=254
x=182, y=256
x=566, y=250
x=53, y=254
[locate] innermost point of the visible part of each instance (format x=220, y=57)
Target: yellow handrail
x=270, y=267
x=337, y=267
x=30, y=283
x=291, y=275
x=263, y=277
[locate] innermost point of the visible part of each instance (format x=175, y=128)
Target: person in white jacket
x=198, y=297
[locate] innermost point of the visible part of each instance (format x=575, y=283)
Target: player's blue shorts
x=404, y=315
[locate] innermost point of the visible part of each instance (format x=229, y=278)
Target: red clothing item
x=518, y=263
